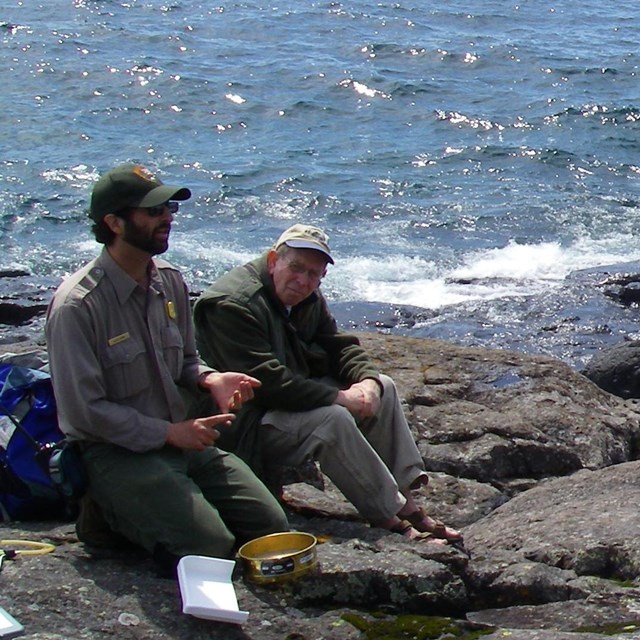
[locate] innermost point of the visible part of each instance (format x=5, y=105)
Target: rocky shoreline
x=532, y=460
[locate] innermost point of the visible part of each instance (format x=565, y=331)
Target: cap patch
x=142, y=172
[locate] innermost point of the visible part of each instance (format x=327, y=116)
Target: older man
x=121, y=346
x=321, y=396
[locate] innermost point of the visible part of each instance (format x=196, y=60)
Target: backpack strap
x=24, y=405
x=20, y=410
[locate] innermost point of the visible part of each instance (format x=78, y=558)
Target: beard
x=154, y=241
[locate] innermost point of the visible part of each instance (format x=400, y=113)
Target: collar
x=123, y=284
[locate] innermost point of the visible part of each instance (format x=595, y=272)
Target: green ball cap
x=131, y=185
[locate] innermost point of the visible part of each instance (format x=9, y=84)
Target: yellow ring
x=33, y=548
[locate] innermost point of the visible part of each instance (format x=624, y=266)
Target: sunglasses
x=156, y=212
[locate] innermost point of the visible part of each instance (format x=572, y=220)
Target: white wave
x=78, y=176
x=550, y=260
x=514, y=270
x=235, y=98
x=544, y=261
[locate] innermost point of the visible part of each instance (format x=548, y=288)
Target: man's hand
x=361, y=399
x=229, y=389
x=197, y=434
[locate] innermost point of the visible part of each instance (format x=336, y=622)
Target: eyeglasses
x=300, y=269
x=156, y=212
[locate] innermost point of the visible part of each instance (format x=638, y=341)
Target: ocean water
x=476, y=167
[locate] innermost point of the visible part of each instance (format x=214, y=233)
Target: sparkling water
x=477, y=164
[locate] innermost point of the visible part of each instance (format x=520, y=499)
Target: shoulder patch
x=90, y=280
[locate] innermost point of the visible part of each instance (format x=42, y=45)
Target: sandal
x=407, y=530
x=421, y=481
x=418, y=520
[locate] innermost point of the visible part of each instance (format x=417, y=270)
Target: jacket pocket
x=125, y=369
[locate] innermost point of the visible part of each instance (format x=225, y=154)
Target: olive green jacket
x=242, y=326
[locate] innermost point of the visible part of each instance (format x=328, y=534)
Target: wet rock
x=617, y=370
x=13, y=273
x=22, y=300
x=16, y=314
x=360, y=316
x=623, y=288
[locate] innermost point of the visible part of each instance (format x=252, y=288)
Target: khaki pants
x=369, y=460
x=185, y=502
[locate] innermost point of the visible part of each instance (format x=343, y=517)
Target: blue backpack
x=41, y=476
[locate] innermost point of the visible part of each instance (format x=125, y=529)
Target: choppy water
x=464, y=159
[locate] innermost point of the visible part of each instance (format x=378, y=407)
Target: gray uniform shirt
x=117, y=353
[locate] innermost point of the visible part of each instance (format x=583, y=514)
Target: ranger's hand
x=197, y=434
x=229, y=389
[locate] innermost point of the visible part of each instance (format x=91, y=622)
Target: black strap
x=18, y=425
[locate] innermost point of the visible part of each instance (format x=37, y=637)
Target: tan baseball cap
x=304, y=236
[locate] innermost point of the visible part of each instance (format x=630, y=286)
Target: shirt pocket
x=173, y=350
x=125, y=369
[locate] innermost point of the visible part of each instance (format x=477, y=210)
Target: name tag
x=118, y=339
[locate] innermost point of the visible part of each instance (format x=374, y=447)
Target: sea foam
x=513, y=270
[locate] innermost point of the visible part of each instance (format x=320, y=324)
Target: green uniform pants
x=188, y=502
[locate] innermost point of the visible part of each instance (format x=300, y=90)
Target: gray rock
x=26, y=357
x=617, y=370
x=19, y=313
x=394, y=575
x=531, y=459
x=587, y=523
x=611, y=614
x=504, y=418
